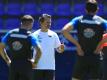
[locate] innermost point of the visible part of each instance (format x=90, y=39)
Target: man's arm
x=35, y=44
x=104, y=39
x=4, y=54
x=38, y=54
x=66, y=32
x=98, y=49
x=60, y=49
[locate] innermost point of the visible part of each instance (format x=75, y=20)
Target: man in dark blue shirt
x=20, y=44
x=90, y=29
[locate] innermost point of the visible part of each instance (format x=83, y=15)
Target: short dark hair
x=91, y=6
x=43, y=16
x=27, y=18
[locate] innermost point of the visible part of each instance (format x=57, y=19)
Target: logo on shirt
x=17, y=45
x=39, y=38
x=88, y=33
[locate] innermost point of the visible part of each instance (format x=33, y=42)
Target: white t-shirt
x=48, y=41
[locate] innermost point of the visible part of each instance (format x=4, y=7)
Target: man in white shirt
x=49, y=41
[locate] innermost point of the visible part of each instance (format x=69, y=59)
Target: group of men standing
x=21, y=43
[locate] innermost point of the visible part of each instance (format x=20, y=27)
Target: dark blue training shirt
x=90, y=29
x=31, y=37
x=88, y=19
x=19, y=43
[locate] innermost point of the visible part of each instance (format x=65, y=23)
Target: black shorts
x=20, y=70
x=43, y=74
x=87, y=66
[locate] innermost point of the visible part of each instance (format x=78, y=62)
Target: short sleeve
x=33, y=40
x=5, y=38
x=105, y=24
x=74, y=21
x=57, y=41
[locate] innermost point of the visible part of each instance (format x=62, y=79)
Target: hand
x=34, y=65
x=61, y=48
x=9, y=62
x=97, y=51
x=80, y=52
